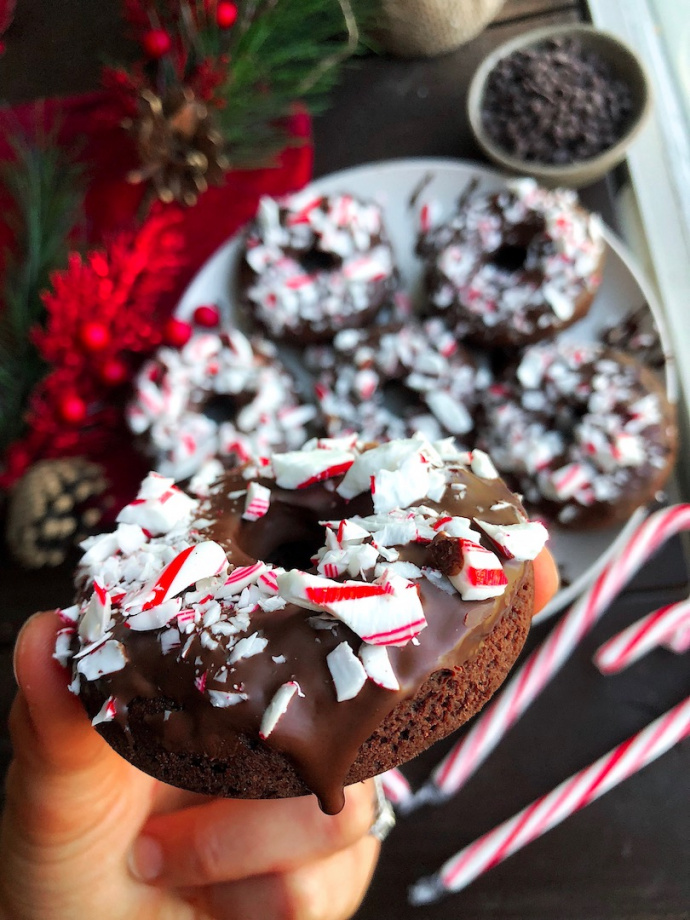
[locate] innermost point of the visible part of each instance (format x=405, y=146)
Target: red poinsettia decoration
x=103, y=316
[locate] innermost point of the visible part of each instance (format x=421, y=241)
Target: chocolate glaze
x=320, y=736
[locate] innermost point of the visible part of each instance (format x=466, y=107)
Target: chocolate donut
x=313, y=623
x=314, y=264
x=514, y=266
x=219, y=396
x=434, y=381
x=585, y=432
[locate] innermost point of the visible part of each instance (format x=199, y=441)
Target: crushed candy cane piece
x=221, y=699
x=105, y=659
x=378, y=666
x=347, y=672
x=257, y=502
x=201, y=560
x=278, y=707
x=300, y=469
x=96, y=617
x=481, y=575
x=385, y=612
x=522, y=541
x=106, y=713
x=482, y=465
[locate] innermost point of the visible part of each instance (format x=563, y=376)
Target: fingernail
x=146, y=859
x=17, y=643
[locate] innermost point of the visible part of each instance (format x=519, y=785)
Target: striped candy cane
x=395, y=786
x=679, y=642
x=642, y=636
x=544, y=813
x=530, y=679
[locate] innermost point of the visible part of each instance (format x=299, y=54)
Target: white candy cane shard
x=401, y=487
x=158, y=507
x=63, y=643
x=277, y=707
x=300, y=469
x=93, y=623
x=202, y=560
x=257, y=502
x=155, y=617
x=248, y=647
x=378, y=666
x=221, y=699
x=106, y=713
x=481, y=576
x=106, y=659
x=347, y=672
x=517, y=541
x=388, y=456
x=482, y=465
x=385, y=612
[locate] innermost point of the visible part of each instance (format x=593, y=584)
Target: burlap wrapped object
x=423, y=28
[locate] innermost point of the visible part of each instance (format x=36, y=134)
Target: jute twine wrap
x=413, y=28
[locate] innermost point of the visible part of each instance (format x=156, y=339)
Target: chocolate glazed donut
x=328, y=661
x=515, y=266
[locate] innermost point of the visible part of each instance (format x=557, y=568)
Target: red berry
x=226, y=14
x=156, y=43
x=94, y=336
x=114, y=372
x=207, y=316
x=72, y=409
x=177, y=333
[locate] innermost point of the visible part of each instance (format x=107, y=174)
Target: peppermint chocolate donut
x=313, y=623
x=585, y=432
x=515, y=266
x=435, y=382
x=315, y=264
x=220, y=396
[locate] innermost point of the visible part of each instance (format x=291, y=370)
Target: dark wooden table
x=627, y=856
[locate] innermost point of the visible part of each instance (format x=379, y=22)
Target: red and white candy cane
x=395, y=786
x=679, y=642
x=544, y=813
x=641, y=637
x=529, y=680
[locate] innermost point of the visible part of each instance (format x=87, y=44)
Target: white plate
x=400, y=187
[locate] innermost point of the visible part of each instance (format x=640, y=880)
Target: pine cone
x=180, y=149
x=52, y=508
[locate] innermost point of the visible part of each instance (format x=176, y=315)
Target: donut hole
x=221, y=407
x=509, y=257
x=314, y=261
x=296, y=554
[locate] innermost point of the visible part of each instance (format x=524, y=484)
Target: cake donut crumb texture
x=316, y=619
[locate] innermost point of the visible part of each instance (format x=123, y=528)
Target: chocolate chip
x=555, y=103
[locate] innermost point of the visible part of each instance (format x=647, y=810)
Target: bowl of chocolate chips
x=559, y=103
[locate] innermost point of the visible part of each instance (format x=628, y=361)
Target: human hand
x=86, y=835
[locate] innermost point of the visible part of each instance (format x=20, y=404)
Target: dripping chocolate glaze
x=320, y=736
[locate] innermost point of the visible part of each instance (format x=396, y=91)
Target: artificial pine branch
x=46, y=191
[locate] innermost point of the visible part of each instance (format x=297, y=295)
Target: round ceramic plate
x=402, y=187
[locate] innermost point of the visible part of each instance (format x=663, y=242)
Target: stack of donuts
x=584, y=431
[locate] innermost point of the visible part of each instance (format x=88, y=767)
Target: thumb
x=64, y=775
x=49, y=728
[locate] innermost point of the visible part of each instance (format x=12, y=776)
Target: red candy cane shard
x=257, y=502
x=202, y=560
x=300, y=469
x=481, y=575
x=544, y=813
x=385, y=612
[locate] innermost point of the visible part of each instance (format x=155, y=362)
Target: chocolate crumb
x=445, y=554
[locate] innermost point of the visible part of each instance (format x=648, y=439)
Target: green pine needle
x=46, y=190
